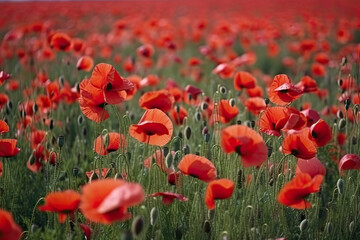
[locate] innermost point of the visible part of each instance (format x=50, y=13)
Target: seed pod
x=232, y=102
x=340, y=184
x=61, y=81
x=342, y=123
x=238, y=122
x=303, y=225
x=340, y=82
x=207, y=226
x=51, y=125
x=187, y=132
x=9, y=105
x=61, y=141
x=137, y=226
x=84, y=131
x=154, y=213
x=186, y=149
x=177, y=108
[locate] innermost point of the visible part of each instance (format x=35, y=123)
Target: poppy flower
x=37, y=137
x=154, y=128
x=349, y=161
x=86, y=230
x=226, y=111
x=53, y=91
x=63, y=202
x=106, y=200
x=224, y=70
x=244, y=80
x=12, y=85
x=94, y=174
x=161, y=99
x=150, y=80
x=145, y=51
x=311, y=115
x=159, y=158
x=92, y=102
x=246, y=142
x=191, y=94
x=8, y=147
x=282, y=91
x=322, y=58
x=341, y=138
x=60, y=41
x=4, y=128
x=296, y=119
x=255, y=105
x=3, y=77
x=318, y=70
x=198, y=167
x=85, y=63
x=293, y=193
x=307, y=84
x=321, y=133
x=115, y=140
x=255, y=92
x=169, y=197
x=311, y=166
x=106, y=78
x=218, y=189
x=3, y=100
x=9, y=229
x=178, y=115
x=299, y=144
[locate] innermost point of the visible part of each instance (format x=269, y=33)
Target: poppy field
x=180, y=120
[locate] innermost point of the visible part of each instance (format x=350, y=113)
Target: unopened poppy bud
x=342, y=123
x=252, y=123
x=80, y=120
x=347, y=104
x=177, y=108
x=267, y=101
x=61, y=141
x=137, y=226
x=224, y=235
x=154, y=213
x=303, y=225
x=34, y=228
x=204, y=106
x=354, y=140
x=76, y=171
x=328, y=227
x=62, y=176
x=32, y=159
x=126, y=235
x=61, y=81
x=238, y=122
x=356, y=109
x=207, y=137
x=211, y=214
x=22, y=114
x=232, y=102
x=176, y=158
x=186, y=149
x=198, y=116
x=51, y=125
x=343, y=61
x=205, y=130
x=340, y=82
x=84, y=131
x=223, y=90
x=352, y=226
x=271, y=181
x=207, y=226
x=9, y=105
x=270, y=150
x=340, y=184
x=339, y=114
x=169, y=160
x=187, y=132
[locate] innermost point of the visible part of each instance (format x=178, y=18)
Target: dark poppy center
x=102, y=105
x=314, y=134
x=108, y=87
x=284, y=91
x=150, y=133
x=238, y=149
x=294, y=152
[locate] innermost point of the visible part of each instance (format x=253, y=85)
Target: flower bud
x=137, y=226
x=340, y=184
x=303, y=225
x=61, y=141
x=154, y=213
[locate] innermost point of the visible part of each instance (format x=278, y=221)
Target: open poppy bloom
x=282, y=91
x=198, y=167
x=60, y=41
x=255, y=105
x=244, y=80
x=311, y=115
x=299, y=144
x=169, y=197
x=224, y=70
x=311, y=166
x=64, y=203
x=4, y=128
x=178, y=116
x=85, y=63
x=3, y=77
x=106, y=200
x=226, y=111
x=8, y=147
x=349, y=161
x=112, y=140
x=161, y=99
x=218, y=189
x=154, y=128
x=321, y=133
x=273, y=120
x=307, y=84
x=9, y=229
x=113, y=87
x=246, y=142
x=293, y=193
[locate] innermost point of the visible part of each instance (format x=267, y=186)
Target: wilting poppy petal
x=198, y=167
x=310, y=166
x=9, y=229
x=169, y=197
x=349, y=161
x=246, y=142
x=62, y=203
x=218, y=189
x=154, y=128
x=8, y=147
x=293, y=193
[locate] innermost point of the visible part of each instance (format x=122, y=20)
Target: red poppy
x=53, y=91
x=4, y=128
x=244, y=80
x=115, y=140
x=150, y=80
x=106, y=200
x=60, y=41
x=218, y=189
x=293, y=193
x=154, y=128
x=159, y=158
x=3, y=100
x=191, y=95
x=85, y=63
x=282, y=91
x=12, y=85
x=9, y=229
x=311, y=115
x=318, y=70
x=37, y=137
x=307, y=84
x=145, y=51
x=94, y=174
x=198, y=167
x=178, y=115
x=226, y=111
x=224, y=70
x=161, y=99
x=169, y=197
x=349, y=161
x=255, y=105
x=273, y=120
x=321, y=133
x=64, y=203
x=86, y=230
x=8, y=147
x=311, y=166
x=299, y=144
x=246, y=142
x=257, y=91
x=3, y=77
x=106, y=78
x=341, y=138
